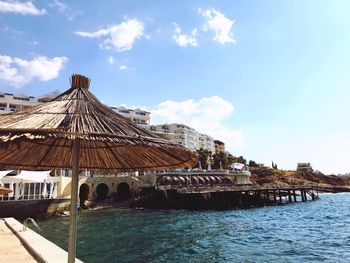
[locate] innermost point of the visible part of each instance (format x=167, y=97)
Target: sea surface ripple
x=304, y=232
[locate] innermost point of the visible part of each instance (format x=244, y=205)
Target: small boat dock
x=225, y=197
x=218, y=189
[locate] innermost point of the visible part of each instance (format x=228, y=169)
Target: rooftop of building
x=129, y=109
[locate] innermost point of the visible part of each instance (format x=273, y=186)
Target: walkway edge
x=43, y=250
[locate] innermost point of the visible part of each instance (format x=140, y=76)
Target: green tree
x=239, y=159
x=204, y=157
x=226, y=159
x=229, y=159
x=219, y=157
x=252, y=163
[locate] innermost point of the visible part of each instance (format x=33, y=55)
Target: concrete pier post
x=295, y=196
x=289, y=196
x=303, y=195
x=280, y=196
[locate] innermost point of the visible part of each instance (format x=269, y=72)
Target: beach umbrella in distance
x=76, y=131
x=4, y=190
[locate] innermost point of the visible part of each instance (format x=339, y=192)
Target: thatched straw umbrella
x=76, y=131
x=4, y=190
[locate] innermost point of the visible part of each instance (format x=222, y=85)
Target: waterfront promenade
x=11, y=248
x=20, y=244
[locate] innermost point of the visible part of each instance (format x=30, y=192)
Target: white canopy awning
x=238, y=166
x=4, y=173
x=33, y=176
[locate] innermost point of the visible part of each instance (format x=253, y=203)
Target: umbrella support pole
x=72, y=243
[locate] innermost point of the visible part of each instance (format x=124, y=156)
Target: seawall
x=42, y=208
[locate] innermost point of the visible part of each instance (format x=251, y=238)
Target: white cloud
x=33, y=43
x=183, y=40
x=123, y=67
x=207, y=115
x=120, y=37
x=59, y=5
x=17, y=72
x=63, y=9
x=218, y=23
x=23, y=8
x=12, y=31
x=110, y=60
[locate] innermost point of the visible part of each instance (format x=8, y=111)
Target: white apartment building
x=206, y=142
x=15, y=102
x=185, y=135
x=139, y=117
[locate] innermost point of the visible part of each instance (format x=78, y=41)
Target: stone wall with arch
x=112, y=182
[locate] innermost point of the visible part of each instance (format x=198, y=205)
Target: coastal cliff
x=264, y=176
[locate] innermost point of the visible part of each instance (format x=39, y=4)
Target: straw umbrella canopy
x=76, y=131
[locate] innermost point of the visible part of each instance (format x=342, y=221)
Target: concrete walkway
x=11, y=249
x=13, y=238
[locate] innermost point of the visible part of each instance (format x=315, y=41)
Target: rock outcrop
x=272, y=177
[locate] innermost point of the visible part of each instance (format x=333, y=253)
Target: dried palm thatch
x=41, y=137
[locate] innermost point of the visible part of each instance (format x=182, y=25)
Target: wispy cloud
x=23, y=8
x=64, y=9
x=219, y=23
x=208, y=115
x=17, y=72
x=184, y=40
x=33, y=43
x=12, y=31
x=123, y=67
x=120, y=37
x=110, y=60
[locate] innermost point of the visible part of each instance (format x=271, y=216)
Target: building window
x=19, y=98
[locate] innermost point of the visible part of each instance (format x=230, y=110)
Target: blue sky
x=269, y=78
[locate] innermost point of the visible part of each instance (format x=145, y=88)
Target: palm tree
x=204, y=156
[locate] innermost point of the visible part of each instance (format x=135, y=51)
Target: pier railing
x=250, y=187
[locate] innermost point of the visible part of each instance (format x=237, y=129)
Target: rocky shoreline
x=267, y=177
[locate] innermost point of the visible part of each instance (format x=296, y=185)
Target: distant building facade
x=179, y=133
x=304, y=167
x=219, y=146
x=14, y=102
x=185, y=135
x=137, y=116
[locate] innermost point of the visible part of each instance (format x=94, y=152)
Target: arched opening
x=101, y=192
x=83, y=194
x=123, y=191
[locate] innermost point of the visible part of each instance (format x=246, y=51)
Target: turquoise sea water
x=303, y=232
